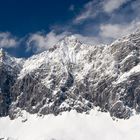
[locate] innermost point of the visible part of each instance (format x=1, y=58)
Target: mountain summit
x=73, y=76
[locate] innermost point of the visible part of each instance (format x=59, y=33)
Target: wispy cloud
x=94, y=8
x=7, y=40
x=89, y=10
x=39, y=42
x=110, y=5
x=114, y=31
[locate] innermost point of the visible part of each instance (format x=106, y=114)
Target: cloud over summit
x=7, y=40
x=39, y=42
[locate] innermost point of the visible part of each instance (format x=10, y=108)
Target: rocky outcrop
x=8, y=76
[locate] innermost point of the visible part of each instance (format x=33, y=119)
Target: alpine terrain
x=73, y=76
x=65, y=92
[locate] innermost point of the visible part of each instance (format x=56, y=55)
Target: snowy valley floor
x=71, y=126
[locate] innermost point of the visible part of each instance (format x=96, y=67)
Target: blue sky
x=25, y=16
x=28, y=27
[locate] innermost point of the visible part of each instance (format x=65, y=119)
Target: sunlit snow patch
x=70, y=126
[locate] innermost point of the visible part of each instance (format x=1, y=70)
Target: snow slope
x=70, y=126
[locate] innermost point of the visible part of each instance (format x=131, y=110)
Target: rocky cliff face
x=73, y=75
x=9, y=68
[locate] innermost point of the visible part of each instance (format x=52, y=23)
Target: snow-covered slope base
x=70, y=126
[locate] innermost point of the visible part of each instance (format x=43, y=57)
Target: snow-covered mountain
x=73, y=76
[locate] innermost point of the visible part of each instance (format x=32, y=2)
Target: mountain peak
x=70, y=39
x=72, y=75
x=2, y=52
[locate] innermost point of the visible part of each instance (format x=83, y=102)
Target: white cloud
x=7, y=40
x=89, y=11
x=94, y=8
x=39, y=42
x=109, y=32
x=114, y=31
x=110, y=5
